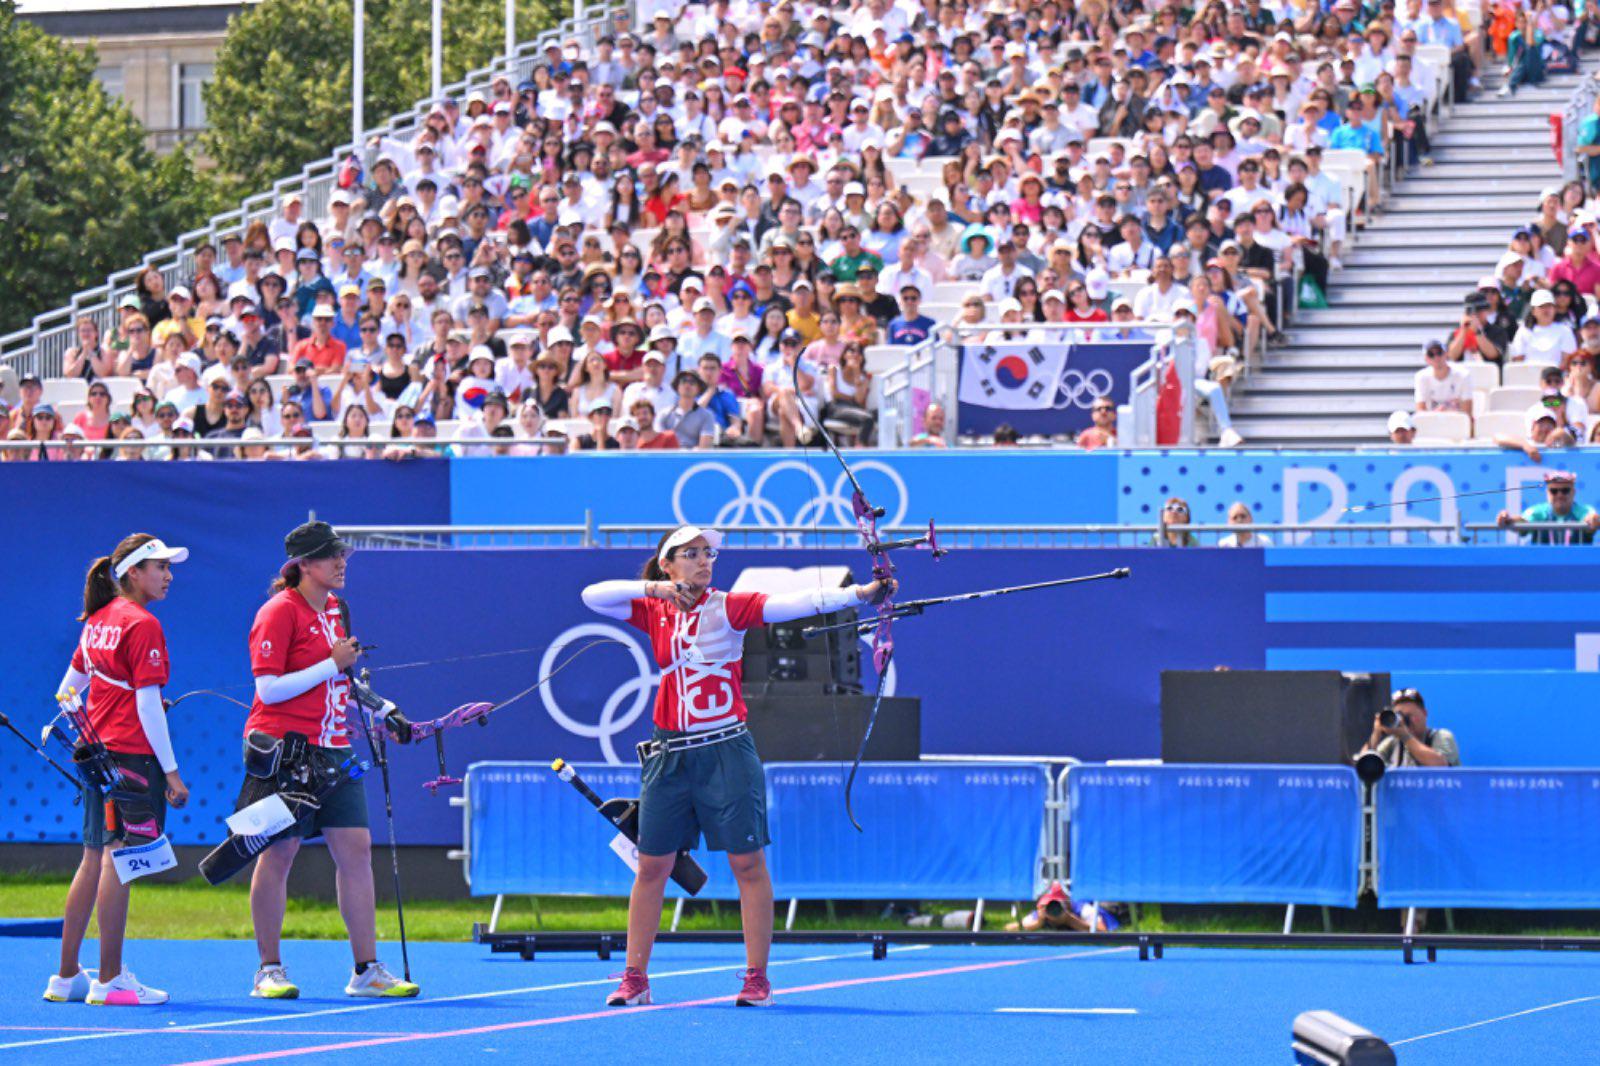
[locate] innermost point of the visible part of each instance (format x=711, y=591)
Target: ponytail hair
x=288, y=577
x=651, y=571
x=100, y=585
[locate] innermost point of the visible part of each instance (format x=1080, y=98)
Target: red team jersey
x=289, y=636
x=122, y=648
x=700, y=654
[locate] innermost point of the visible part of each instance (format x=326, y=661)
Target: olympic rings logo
x=614, y=718
x=1078, y=389
x=751, y=506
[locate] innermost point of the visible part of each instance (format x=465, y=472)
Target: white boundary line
x=464, y=997
x=1065, y=1010
x=1491, y=1021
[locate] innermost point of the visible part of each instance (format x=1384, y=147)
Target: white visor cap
x=684, y=535
x=150, y=549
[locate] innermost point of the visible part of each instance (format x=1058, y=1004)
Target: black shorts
x=138, y=820
x=719, y=790
x=343, y=808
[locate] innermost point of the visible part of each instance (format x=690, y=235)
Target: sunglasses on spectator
x=1176, y=508
x=219, y=386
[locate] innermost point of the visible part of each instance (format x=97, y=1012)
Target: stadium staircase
x=1345, y=368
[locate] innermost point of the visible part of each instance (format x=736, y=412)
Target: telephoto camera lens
x=1388, y=718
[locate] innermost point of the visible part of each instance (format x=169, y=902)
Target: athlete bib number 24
x=142, y=860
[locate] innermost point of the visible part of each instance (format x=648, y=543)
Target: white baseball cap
x=683, y=535
x=1401, y=420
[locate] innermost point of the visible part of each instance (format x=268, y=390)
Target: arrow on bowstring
x=912, y=608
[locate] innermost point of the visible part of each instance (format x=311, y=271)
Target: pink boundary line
x=615, y=1012
x=134, y=1031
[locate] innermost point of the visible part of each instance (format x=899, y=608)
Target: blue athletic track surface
x=835, y=1004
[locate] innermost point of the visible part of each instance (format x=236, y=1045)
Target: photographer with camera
x=1481, y=333
x=1401, y=737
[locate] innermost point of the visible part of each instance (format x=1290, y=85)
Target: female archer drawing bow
x=702, y=775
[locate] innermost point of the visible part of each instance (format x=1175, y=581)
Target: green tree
x=80, y=193
x=280, y=97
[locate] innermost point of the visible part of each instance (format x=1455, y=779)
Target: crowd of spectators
x=694, y=231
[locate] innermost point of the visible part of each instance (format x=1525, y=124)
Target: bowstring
x=816, y=540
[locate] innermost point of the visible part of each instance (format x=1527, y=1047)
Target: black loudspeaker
x=802, y=722
x=1267, y=716
x=779, y=652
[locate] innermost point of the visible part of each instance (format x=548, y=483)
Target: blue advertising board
x=1488, y=838
x=1215, y=834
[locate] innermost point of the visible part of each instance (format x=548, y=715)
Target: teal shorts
x=719, y=791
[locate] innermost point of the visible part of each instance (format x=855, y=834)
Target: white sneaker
x=1230, y=438
x=272, y=982
x=68, y=989
x=123, y=990
x=1504, y=90
x=379, y=983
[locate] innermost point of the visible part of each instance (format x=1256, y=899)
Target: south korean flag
x=1012, y=377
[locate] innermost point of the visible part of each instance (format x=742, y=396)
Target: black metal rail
x=529, y=944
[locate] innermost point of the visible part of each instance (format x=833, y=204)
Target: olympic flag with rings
x=1043, y=388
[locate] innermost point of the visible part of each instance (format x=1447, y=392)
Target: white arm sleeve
x=74, y=680
x=614, y=599
x=275, y=689
x=153, y=717
x=791, y=605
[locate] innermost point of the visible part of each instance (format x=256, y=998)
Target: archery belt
x=648, y=748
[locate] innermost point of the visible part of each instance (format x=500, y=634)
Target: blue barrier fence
x=1488, y=838
x=1216, y=834
x=937, y=832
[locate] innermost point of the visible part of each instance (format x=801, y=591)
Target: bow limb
x=866, y=516
x=866, y=735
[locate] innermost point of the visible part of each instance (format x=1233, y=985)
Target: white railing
x=40, y=346
x=1577, y=108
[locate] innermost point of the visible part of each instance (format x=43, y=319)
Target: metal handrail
x=593, y=535
x=214, y=443
x=41, y=345
x=1576, y=109
x=1494, y=533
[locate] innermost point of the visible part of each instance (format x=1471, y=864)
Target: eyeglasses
x=1176, y=508
x=219, y=386
x=137, y=329
x=696, y=554
x=1559, y=490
